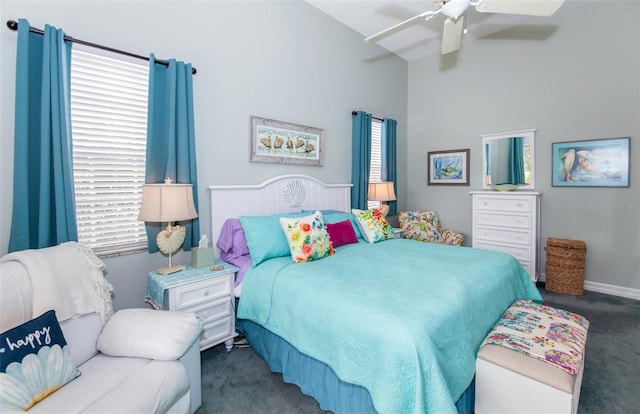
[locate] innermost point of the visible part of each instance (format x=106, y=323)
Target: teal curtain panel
x=43, y=195
x=389, y=155
x=516, y=161
x=360, y=159
x=171, y=147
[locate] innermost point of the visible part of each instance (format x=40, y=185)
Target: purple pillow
x=341, y=233
x=232, y=241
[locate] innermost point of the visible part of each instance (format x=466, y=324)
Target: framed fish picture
x=591, y=163
x=281, y=142
x=448, y=167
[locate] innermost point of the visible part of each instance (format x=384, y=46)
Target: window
x=109, y=128
x=375, y=171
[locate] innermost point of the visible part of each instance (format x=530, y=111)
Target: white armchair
x=135, y=361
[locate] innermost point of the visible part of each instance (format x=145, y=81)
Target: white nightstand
x=205, y=292
x=398, y=232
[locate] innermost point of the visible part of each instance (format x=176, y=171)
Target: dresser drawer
x=196, y=293
x=522, y=253
x=530, y=267
x=216, y=332
x=521, y=221
x=506, y=203
x=503, y=235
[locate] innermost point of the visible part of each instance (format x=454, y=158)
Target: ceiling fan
x=454, y=10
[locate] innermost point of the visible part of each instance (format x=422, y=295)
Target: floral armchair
x=424, y=225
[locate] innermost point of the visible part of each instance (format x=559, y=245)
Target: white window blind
x=109, y=128
x=375, y=171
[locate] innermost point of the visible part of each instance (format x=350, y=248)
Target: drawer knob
x=519, y=204
x=206, y=293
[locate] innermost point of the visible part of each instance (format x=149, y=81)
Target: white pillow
x=147, y=333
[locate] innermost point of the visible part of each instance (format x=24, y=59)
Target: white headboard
x=281, y=194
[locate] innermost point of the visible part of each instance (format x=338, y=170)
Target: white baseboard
x=608, y=289
x=612, y=290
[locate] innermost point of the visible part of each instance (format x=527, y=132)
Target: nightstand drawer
x=507, y=203
x=212, y=311
x=216, y=332
x=195, y=293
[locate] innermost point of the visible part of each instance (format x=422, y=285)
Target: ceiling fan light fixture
x=453, y=9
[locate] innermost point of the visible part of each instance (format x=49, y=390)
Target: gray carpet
x=241, y=382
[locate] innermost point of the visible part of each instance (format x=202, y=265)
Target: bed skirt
x=331, y=393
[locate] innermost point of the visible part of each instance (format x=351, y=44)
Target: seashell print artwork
x=285, y=143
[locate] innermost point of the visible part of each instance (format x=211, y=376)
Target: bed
x=390, y=327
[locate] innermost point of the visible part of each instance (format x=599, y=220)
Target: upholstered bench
x=532, y=361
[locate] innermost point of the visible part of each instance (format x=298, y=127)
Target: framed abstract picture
x=448, y=167
x=591, y=163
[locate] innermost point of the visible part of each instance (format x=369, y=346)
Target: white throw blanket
x=68, y=278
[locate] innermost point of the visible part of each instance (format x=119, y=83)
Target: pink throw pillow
x=341, y=233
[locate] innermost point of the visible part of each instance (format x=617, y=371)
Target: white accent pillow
x=147, y=333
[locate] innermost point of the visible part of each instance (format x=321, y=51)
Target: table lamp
x=382, y=191
x=168, y=203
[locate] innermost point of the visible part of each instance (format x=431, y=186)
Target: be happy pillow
x=373, y=226
x=307, y=237
x=35, y=362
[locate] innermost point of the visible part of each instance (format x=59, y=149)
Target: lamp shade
x=167, y=203
x=382, y=191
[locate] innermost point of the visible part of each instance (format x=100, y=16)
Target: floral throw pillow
x=36, y=361
x=307, y=237
x=373, y=225
x=422, y=225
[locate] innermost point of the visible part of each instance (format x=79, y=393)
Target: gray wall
x=579, y=80
x=275, y=59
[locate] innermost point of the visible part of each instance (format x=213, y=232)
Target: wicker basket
x=564, y=271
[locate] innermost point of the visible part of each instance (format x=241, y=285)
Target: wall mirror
x=508, y=158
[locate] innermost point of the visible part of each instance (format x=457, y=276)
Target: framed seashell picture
x=279, y=142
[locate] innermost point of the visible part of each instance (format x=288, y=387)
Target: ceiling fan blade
x=526, y=7
x=402, y=25
x=452, y=35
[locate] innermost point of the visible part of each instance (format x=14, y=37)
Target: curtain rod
x=354, y=113
x=13, y=25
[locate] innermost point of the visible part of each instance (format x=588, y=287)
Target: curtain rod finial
x=12, y=24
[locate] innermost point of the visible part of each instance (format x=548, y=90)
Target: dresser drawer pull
x=206, y=293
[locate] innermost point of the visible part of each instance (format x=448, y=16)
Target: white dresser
x=508, y=222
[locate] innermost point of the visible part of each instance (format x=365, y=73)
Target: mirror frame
x=528, y=135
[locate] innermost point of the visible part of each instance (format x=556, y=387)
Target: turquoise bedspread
x=402, y=318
